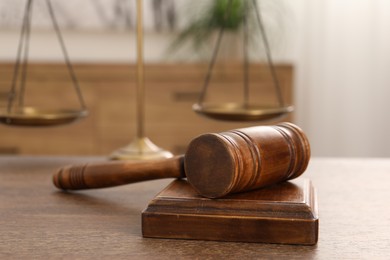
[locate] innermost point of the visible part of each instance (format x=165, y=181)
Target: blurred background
x=334, y=55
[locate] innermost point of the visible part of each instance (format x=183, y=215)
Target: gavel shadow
x=97, y=203
x=105, y=211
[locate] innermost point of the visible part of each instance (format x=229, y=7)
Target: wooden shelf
x=109, y=91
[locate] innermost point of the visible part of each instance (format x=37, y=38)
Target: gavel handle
x=103, y=175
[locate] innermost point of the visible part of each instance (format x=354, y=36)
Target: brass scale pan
x=30, y=116
x=240, y=112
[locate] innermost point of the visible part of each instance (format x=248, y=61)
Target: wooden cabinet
x=109, y=91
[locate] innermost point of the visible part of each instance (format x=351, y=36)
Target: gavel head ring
x=246, y=159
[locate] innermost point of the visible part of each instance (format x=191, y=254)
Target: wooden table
x=37, y=221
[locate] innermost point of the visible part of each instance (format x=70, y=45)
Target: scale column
x=141, y=148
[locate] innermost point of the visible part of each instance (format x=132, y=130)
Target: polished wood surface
x=215, y=164
x=38, y=221
x=109, y=92
x=285, y=213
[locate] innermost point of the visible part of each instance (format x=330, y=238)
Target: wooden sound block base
x=285, y=213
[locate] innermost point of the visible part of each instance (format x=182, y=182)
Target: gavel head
x=246, y=159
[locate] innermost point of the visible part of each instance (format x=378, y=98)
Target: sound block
x=285, y=213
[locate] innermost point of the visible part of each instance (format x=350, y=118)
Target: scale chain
x=65, y=53
x=21, y=46
x=268, y=54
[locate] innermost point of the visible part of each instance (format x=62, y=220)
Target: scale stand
x=141, y=148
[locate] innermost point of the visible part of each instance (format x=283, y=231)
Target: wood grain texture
x=245, y=159
x=285, y=213
x=110, y=174
x=37, y=221
x=109, y=92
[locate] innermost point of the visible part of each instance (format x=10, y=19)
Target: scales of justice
x=141, y=148
x=234, y=191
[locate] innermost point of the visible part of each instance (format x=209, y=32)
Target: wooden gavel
x=215, y=164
